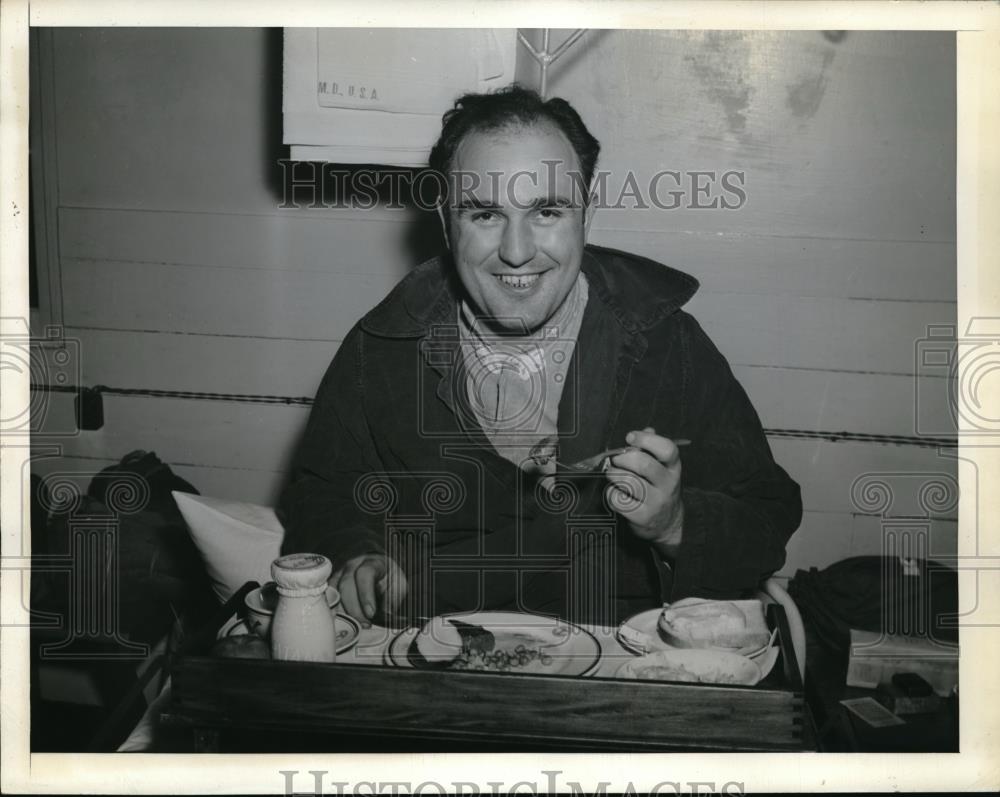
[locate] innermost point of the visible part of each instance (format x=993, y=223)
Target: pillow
x=237, y=540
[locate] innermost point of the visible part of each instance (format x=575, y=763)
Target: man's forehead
x=533, y=156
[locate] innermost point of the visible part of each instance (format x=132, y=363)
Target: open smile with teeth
x=518, y=281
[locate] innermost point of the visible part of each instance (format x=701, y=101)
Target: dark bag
x=148, y=467
x=877, y=593
x=159, y=570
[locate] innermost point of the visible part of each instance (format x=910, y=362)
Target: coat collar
x=637, y=291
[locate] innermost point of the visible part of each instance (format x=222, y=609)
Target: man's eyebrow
x=553, y=202
x=472, y=203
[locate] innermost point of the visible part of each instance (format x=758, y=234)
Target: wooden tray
x=529, y=711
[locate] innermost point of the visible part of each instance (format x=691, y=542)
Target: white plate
x=569, y=649
x=639, y=635
x=708, y=666
x=348, y=631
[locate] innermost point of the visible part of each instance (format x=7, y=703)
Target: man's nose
x=517, y=246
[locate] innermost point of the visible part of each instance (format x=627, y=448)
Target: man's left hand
x=645, y=489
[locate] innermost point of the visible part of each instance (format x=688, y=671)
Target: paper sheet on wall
x=403, y=71
x=341, y=86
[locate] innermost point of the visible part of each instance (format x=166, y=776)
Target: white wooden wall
x=180, y=272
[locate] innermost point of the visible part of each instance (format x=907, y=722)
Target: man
x=486, y=372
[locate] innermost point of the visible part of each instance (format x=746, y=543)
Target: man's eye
x=484, y=216
x=550, y=213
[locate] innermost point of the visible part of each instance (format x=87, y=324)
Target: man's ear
x=444, y=221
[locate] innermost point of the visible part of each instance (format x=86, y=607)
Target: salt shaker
x=303, y=628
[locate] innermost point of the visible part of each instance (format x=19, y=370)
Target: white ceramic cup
x=261, y=603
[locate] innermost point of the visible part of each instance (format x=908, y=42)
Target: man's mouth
x=521, y=282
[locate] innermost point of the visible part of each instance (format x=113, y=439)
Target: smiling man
x=436, y=469
x=518, y=230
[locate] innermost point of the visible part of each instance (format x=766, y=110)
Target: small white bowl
x=261, y=603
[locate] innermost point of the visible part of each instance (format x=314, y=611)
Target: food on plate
x=242, y=646
x=693, y=666
x=681, y=673
x=474, y=637
x=703, y=621
x=708, y=624
x=439, y=641
x=459, y=645
x=501, y=660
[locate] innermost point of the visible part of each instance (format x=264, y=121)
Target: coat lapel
x=598, y=378
x=442, y=352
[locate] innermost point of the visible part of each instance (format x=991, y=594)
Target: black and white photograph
x=415, y=388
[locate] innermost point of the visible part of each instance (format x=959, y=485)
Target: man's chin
x=514, y=318
x=513, y=325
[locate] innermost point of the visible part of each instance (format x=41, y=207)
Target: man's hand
x=645, y=489
x=368, y=582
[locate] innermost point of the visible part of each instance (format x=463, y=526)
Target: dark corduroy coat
x=393, y=459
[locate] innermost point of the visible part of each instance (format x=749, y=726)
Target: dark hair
x=512, y=106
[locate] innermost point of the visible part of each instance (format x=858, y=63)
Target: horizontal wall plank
x=376, y=241
x=237, y=484
x=222, y=434
x=827, y=471
x=835, y=401
x=212, y=300
x=828, y=537
x=804, y=332
x=781, y=265
x=203, y=363
x=784, y=398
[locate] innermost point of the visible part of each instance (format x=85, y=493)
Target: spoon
x=544, y=450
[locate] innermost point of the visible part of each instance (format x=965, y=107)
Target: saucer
x=348, y=631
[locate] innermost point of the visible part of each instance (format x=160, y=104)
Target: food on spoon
x=708, y=624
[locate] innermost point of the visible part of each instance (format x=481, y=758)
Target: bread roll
x=706, y=624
